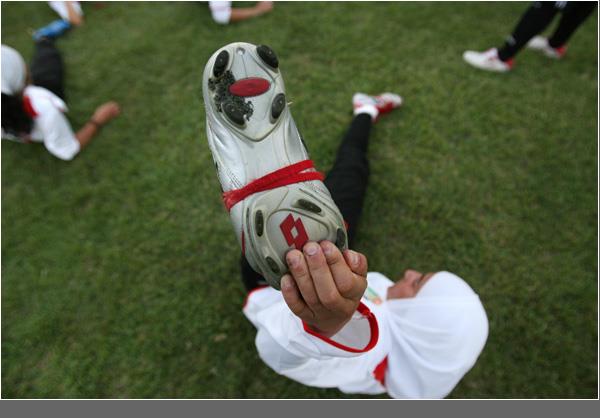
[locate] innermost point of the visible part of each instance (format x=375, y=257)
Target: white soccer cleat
x=276, y=199
x=383, y=103
x=540, y=43
x=487, y=60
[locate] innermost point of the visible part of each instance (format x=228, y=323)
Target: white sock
x=368, y=109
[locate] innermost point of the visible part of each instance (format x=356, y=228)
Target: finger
x=115, y=109
x=412, y=277
x=357, y=262
x=401, y=290
x=321, y=274
x=414, y=281
x=349, y=285
x=294, y=300
x=423, y=280
x=299, y=271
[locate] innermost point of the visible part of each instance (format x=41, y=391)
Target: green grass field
x=120, y=272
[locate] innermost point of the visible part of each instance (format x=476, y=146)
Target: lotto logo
x=294, y=232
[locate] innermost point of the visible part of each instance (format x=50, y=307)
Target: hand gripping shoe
x=276, y=199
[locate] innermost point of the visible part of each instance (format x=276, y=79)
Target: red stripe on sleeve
x=364, y=311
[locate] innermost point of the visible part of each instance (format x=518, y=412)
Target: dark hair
x=14, y=119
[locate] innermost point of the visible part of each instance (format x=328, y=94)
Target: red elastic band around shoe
x=285, y=176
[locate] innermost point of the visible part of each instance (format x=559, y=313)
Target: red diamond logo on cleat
x=248, y=87
x=290, y=224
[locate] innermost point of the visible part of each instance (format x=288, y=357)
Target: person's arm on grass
x=262, y=7
x=56, y=130
x=74, y=17
x=223, y=13
x=101, y=116
x=322, y=317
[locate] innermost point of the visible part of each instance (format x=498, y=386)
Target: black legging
x=538, y=17
x=347, y=182
x=47, y=69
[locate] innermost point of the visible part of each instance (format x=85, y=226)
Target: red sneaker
x=539, y=43
x=376, y=105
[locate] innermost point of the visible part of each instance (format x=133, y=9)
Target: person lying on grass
x=332, y=324
x=34, y=103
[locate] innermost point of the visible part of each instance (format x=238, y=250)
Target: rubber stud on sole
x=267, y=55
x=309, y=206
x=273, y=265
x=220, y=63
x=278, y=105
x=259, y=223
x=234, y=113
x=340, y=240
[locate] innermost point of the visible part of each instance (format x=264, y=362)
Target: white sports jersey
x=221, y=11
x=50, y=125
x=412, y=348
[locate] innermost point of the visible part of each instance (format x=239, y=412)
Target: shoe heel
x=286, y=218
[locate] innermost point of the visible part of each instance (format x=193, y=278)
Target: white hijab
x=14, y=71
x=441, y=332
